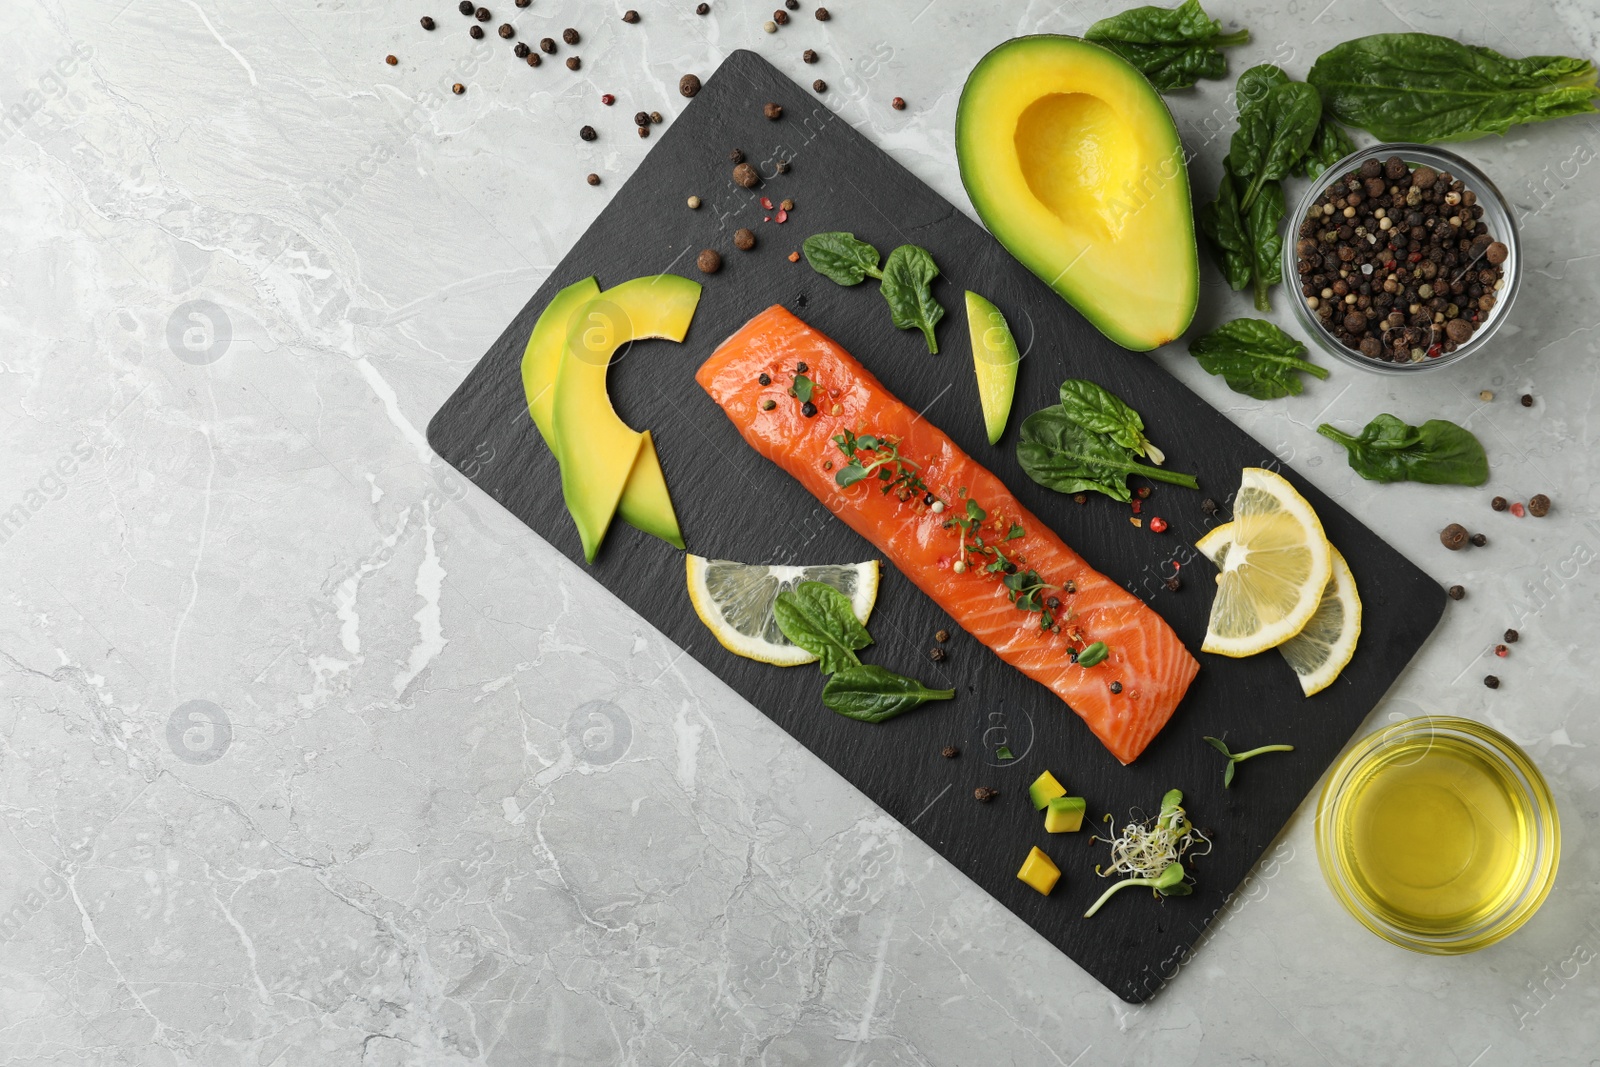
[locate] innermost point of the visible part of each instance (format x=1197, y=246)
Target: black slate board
x=735, y=505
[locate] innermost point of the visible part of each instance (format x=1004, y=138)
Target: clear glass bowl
x=1423, y=909
x=1497, y=220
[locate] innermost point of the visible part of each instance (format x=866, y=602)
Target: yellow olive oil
x=1436, y=834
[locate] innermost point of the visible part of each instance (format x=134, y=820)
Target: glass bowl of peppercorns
x=1401, y=258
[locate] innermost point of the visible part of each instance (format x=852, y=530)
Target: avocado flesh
x=645, y=503
x=1073, y=162
x=995, y=359
x=599, y=453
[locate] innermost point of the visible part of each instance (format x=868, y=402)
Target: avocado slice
x=995, y=358
x=1072, y=160
x=1044, y=789
x=645, y=503
x=599, y=453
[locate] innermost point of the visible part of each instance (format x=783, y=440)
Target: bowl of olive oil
x=1438, y=834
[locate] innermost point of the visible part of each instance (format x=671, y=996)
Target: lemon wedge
x=735, y=601
x=1324, y=647
x=1277, y=566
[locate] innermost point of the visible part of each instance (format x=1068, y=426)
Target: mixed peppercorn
x=1396, y=263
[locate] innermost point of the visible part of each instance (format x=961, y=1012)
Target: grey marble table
x=310, y=754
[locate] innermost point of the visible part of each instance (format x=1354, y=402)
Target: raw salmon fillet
x=1147, y=659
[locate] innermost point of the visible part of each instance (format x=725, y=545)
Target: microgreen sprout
x=1169, y=883
x=1152, y=851
x=894, y=470
x=1236, y=758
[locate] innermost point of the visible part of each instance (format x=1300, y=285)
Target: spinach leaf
x=1098, y=409
x=1255, y=358
x=908, y=288
x=1437, y=453
x=840, y=257
x=1266, y=243
x=872, y=694
x=1329, y=145
x=1272, y=136
x=1420, y=87
x=1173, y=47
x=1225, y=233
x=820, y=620
x=1252, y=87
x=1061, y=454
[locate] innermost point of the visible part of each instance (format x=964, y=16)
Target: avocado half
x=1072, y=160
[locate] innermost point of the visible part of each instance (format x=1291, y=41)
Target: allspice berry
x=822, y=14
x=746, y=176
x=709, y=261
x=507, y=31
x=569, y=35
x=743, y=239
x=1456, y=592
x=820, y=86
x=688, y=85
x=593, y=179
x=773, y=112
x=574, y=63
x=534, y=59
x=1454, y=536
x=1539, y=506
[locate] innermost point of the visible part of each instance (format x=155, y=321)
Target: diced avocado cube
x=1044, y=789
x=1039, y=872
x=1064, y=815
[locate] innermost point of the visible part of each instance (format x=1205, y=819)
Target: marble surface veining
x=310, y=754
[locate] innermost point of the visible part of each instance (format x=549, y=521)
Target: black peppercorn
x=521, y=50
x=936, y=654
x=644, y=131
x=781, y=17
x=782, y=166
x=524, y=3
x=808, y=56
x=587, y=133
x=801, y=367
x=820, y=86
x=574, y=63
x=428, y=23
x=534, y=59
x=507, y=31
x=822, y=14
x=641, y=118
x=458, y=88
x=1453, y=536
x=772, y=111
x=898, y=103
x=391, y=60
x=630, y=16
x=1491, y=681
x=482, y=14
x=736, y=156
x=1499, y=503
x=1208, y=506
x=808, y=409
x=764, y=378
x=1173, y=584
x=593, y=179
x=569, y=35
x=983, y=794
x=476, y=33
x=1527, y=400
x=1479, y=540
x=702, y=9
x=1080, y=498
x=655, y=117
x=941, y=636
x=547, y=45
x=1116, y=687
x=1456, y=592
x=466, y=7
x=1511, y=637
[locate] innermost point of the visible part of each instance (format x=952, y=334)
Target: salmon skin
x=1125, y=699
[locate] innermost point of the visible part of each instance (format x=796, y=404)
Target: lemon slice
x=735, y=601
x=1271, y=582
x=1320, y=651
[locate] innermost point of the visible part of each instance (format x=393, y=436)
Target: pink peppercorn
x=1158, y=525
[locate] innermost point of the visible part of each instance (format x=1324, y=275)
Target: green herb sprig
x=1436, y=453
x=820, y=619
x=898, y=474
x=1236, y=758
x=1173, y=47
x=1424, y=88
x=907, y=278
